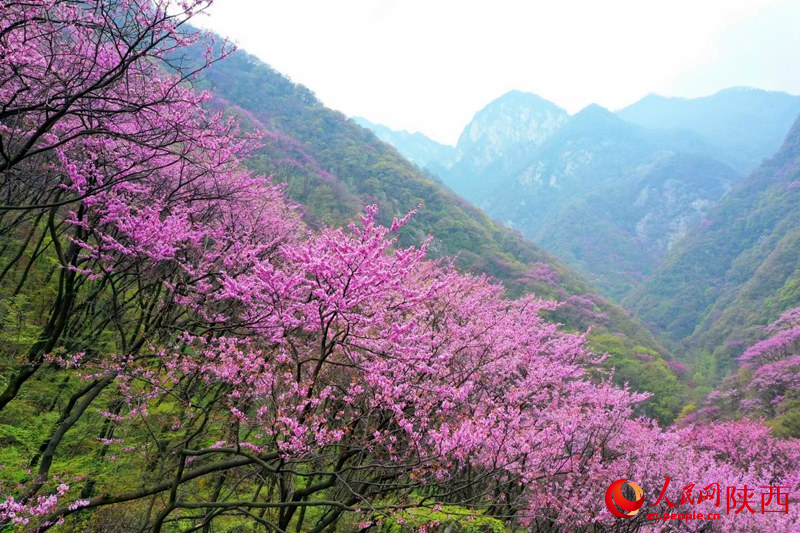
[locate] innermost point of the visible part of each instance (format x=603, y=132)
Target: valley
x=227, y=306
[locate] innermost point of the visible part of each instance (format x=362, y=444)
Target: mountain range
x=334, y=167
x=738, y=270
x=612, y=193
x=668, y=205
x=743, y=125
x=235, y=307
x=416, y=147
x=611, y=199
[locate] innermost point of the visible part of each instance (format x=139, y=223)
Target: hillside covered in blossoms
x=225, y=307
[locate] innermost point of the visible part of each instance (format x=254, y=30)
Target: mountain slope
x=607, y=196
x=334, y=167
x=611, y=196
x=416, y=147
x=628, y=229
x=514, y=123
x=744, y=125
x=739, y=269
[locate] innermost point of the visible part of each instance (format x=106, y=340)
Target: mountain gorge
x=227, y=307
x=587, y=163
x=618, y=235
x=738, y=270
x=611, y=193
x=334, y=167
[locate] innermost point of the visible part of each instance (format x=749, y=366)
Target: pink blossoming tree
x=242, y=365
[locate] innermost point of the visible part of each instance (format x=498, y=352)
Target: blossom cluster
x=332, y=355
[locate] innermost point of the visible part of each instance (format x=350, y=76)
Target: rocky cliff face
x=745, y=254
x=607, y=196
x=514, y=124
x=612, y=193
x=515, y=119
x=618, y=235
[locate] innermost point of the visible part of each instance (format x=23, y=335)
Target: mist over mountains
x=225, y=306
x=416, y=147
x=737, y=270
x=743, y=125
x=611, y=193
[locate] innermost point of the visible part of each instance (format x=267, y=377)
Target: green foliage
x=643, y=369
x=617, y=235
x=787, y=423
x=334, y=167
x=450, y=518
x=18, y=330
x=688, y=409
x=735, y=273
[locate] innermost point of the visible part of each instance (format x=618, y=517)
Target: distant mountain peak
x=744, y=89
x=516, y=118
x=728, y=91
x=744, y=124
x=522, y=97
x=596, y=111
x=597, y=120
x=518, y=101
x=415, y=146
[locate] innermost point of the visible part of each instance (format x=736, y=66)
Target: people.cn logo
x=616, y=501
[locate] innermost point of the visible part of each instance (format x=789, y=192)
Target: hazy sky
x=430, y=65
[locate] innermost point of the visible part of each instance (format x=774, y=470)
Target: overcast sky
x=430, y=65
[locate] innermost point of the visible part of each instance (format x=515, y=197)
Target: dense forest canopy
x=180, y=351
x=333, y=168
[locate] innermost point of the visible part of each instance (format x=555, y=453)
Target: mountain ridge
x=745, y=124
x=420, y=149
x=539, y=187
x=593, y=156
x=334, y=167
x=745, y=253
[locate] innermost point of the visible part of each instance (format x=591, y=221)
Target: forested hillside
x=611, y=193
x=765, y=384
x=189, y=345
x=333, y=167
x=738, y=270
x=619, y=235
